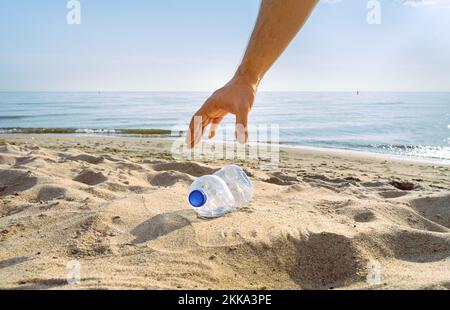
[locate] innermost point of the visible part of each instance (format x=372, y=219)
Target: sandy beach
x=117, y=206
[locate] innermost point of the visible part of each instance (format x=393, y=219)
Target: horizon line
x=206, y=91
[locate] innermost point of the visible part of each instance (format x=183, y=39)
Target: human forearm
x=277, y=24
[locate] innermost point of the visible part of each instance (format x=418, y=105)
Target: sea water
x=413, y=125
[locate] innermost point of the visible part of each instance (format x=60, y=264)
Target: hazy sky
x=196, y=45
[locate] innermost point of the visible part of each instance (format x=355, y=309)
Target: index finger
x=196, y=129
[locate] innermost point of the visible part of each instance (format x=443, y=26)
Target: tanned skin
x=277, y=24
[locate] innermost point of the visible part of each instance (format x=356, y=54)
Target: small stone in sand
x=404, y=186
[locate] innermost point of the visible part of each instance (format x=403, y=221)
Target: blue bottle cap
x=197, y=198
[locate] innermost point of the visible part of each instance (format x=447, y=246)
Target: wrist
x=246, y=76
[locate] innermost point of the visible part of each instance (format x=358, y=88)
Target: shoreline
x=169, y=137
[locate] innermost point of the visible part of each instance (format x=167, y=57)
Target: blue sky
x=176, y=45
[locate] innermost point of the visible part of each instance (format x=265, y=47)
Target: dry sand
x=118, y=206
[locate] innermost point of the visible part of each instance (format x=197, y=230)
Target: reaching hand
x=277, y=24
x=237, y=98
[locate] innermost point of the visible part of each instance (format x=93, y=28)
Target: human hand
x=236, y=97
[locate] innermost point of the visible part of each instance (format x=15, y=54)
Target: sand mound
x=285, y=177
x=434, y=208
x=190, y=168
x=111, y=158
x=365, y=217
x=15, y=180
x=129, y=166
x=169, y=178
x=278, y=181
x=90, y=177
x=34, y=162
x=317, y=261
x=325, y=260
x=410, y=245
x=8, y=148
x=92, y=237
x=323, y=178
x=373, y=184
x=83, y=158
x=392, y=194
x=50, y=192
x=7, y=160
x=161, y=225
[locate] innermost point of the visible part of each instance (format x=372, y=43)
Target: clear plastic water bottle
x=227, y=190
x=238, y=183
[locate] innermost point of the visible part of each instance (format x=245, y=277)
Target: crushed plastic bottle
x=227, y=190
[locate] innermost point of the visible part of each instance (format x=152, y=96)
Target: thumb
x=241, y=126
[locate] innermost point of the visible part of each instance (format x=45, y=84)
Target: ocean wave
x=19, y=130
x=423, y=151
x=402, y=150
x=6, y=117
